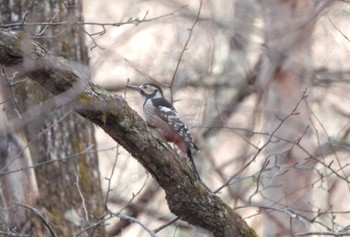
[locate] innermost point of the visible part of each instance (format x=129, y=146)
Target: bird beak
x=136, y=88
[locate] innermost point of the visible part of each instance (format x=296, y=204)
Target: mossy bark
x=60, y=133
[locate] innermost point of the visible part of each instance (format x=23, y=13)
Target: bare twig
x=184, y=49
x=166, y=225
x=12, y=233
x=134, y=220
x=81, y=27
x=17, y=109
x=94, y=225
x=136, y=208
x=49, y=126
x=264, y=166
x=282, y=121
x=42, y=218
x=82, y=198
x=335, y=27
x=46, y=26
x=131, y=21
x=325, y=233
x=110, y=177
x=57, y=159
x=134, y=195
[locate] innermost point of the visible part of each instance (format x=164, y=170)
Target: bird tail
x=189, y=154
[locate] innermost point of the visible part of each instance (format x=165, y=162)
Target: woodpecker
x=160, y=114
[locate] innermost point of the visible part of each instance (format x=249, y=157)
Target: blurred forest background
x=263, y=86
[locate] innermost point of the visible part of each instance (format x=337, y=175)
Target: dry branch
x=188, y=197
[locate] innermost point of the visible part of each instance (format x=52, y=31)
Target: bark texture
x=55, y=132
x=187, y=196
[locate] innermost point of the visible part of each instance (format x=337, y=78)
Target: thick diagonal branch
x=187, y=196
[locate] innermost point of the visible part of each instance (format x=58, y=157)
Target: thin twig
x=82, y=28
x=184, y=49
x=110, y=177
x=42, y=218
x=46, y=26
x=80, y=24
x=347, y=38
x=325, y=233
x=24, y=147
x=134, y=195
x=263, y=168
x=56, y=159
x=82, y=198
x=282, y=121
x=142, y=73
x=166, y=225
x=4, y=233
x=94, y=225
x=18, y=109
x=134, y=220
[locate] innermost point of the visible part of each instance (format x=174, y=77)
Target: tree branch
x=187, y=196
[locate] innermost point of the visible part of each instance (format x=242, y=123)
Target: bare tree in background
x=285, y=77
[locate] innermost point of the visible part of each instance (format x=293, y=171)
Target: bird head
x=148, y=90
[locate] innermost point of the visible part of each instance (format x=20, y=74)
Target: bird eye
x=145, y=86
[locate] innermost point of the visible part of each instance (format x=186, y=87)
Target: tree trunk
x=64, y=185
x=285, y=78
x=18, y=187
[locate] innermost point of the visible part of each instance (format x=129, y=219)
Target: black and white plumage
x=160, y=114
